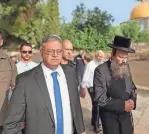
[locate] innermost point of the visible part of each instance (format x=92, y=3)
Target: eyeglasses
x=25, y=52
x=52, y=52
x=68, y=49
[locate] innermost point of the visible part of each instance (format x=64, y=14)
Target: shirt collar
x=48, y=71
x=26, y=63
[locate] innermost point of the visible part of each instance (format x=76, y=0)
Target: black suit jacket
x=31, y=99
x=80, y=66
x=102, y=86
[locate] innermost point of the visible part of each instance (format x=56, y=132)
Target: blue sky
x=120, y=9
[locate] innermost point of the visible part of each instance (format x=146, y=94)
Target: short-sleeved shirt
x=23, y=67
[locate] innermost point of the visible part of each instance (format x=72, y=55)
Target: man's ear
x=112, y=54
x=1, y=42
x=41, y=50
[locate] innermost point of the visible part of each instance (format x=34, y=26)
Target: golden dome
x=140, y=11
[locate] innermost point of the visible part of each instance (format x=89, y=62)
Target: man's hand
x=83, y=92
x=132, y=103
x=129, y=105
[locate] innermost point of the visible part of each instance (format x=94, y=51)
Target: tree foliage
x=89, y=29
x=92, y=29
x=97, y=19
x=130, y=29
x=29, y=20
x=143, y=36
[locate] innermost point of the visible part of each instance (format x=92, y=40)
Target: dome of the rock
x=140, y=11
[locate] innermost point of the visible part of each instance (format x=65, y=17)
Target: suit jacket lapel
x=68, y=71
x=39, y=76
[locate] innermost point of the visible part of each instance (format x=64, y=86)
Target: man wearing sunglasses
x=26, y=54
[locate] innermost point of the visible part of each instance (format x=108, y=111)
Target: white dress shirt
x=67, y=116
x=88, y=76
x=23, y=67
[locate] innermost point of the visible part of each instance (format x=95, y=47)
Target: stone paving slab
x=141, y=114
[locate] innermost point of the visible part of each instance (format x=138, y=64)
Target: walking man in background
x=67, y=54
x=114, y=90
x=8, y=74
x=46, y=96
x=26, y=54
x=87, y=84
x=80, y=65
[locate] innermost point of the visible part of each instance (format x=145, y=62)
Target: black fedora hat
x=122, y=43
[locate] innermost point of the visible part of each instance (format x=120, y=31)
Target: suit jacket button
x=53, y=126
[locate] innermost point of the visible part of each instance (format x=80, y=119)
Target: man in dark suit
x=80, y=65
x=114, y=90
x=46, y=96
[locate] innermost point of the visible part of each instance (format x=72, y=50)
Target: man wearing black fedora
x=114, y=90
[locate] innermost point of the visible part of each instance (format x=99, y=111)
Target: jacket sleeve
x=13, y=74
x=16, y=110
x=133, y=89
x=100, y=94
x=134, y=94
x=75, y=99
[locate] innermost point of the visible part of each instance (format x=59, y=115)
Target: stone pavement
x=141, y=114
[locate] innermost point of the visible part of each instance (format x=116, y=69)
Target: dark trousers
x=1, y=129
x=95, y=121
x=114, y=124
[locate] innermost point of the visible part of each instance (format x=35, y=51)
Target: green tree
x=88, y=39
x=130, y=29
x=97, y=19
x=51, y=17
x=29, y=20
x=89, y=29
x=143, y=36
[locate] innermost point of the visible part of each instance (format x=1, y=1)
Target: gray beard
x=119, y=71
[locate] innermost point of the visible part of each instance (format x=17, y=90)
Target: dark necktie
x=58, y=104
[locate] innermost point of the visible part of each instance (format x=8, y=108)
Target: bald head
x=67, y=44
x=99, y=55
x=67, y=50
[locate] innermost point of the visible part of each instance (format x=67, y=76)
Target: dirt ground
x=140, y=72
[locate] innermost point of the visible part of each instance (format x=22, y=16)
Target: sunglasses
x=25, y=52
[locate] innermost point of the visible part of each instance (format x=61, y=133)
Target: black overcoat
x=110, y=95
